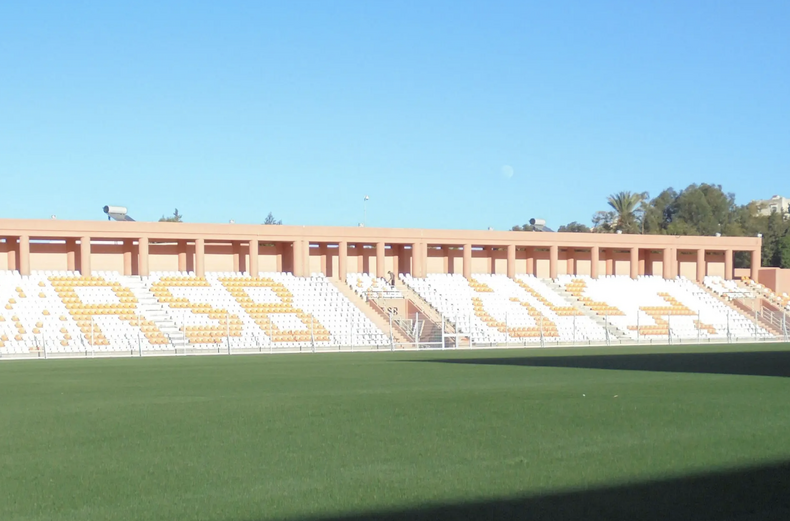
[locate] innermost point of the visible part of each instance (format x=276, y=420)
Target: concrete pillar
x=71, y=254
x=511, y=261
x=530, y=260
x=405, y=260
x=701, y=266
x=395, y=254
x=610, y=262
x=306, y=270
x=142, y=256
x=416, y=265
x=127, y=257
x=380, y=251
x=634, y=263
x=467, y=267
x=298, y=262
x=666, y=260
x=85, y=256
x=570, y=261
x=491, y=260
x=342, y=260
x=595, y=258
x=554, y=260
x=182, y=255
x=322, y=252
x=236, y=249
x=728, y=265
x=756, y=262
x=253, y=253
x=24, y=255
x=200, y=257
x=278, y=248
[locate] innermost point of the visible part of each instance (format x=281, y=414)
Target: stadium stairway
x=374, y=313
x=768, y=315
x=765, y=316
x=614, y=331
x=426, y=309
x=151, y=309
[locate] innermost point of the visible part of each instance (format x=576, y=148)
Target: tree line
x=702, y=209
x=177, y=218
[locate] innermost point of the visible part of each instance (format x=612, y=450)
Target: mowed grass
x=310, y=436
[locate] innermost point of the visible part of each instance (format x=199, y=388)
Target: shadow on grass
x=755, y=494
x=760, y=363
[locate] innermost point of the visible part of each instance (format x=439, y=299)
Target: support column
x=182, y=255
x=325, y=264
x=71, y=255
x=298, y=263
x=307, y=270
x=755, y=276
x=127, y=257
x=278, y=248
x=200, y=257
x=701, y=267
x=666, y=262
x=24, y=255
x=609, y=262
x=236, y=248
x=511, y=261
x=416, y=265
x=142, y=256
x=253, y=252
x=85, y=256
x=380, y=251
x=728, y=265
x=570, y=261
x=342, y=260
x=595, y=259
x=491, y=260
x=467, y=268
x=363, y=266
x=11, y=253
x=395, y=254
x=531, y=261
x=554, y=260
x=634, y=263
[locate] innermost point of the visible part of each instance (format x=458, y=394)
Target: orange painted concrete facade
x=138, y=248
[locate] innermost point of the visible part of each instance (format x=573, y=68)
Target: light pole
x=365, y=211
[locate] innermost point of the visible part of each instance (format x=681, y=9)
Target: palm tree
x=625, y=204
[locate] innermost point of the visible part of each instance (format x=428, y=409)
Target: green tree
x=271, y=220
x=523, y=228
x=604, y=222
x=574, y=227
x=700, y=210
x=175, y=218
x=625, y=205
x=784, y=251
x=655, y=217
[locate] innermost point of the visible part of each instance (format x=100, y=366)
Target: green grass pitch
x=594, y=434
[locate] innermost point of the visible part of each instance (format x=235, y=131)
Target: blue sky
x=448, y=114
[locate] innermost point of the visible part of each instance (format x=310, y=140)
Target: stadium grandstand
x=126, y=287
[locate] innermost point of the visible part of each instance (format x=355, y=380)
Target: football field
x=699, y=432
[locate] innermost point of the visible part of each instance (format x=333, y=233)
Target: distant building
x=774, y=204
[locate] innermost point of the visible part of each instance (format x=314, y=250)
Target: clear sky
x=448, y=114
